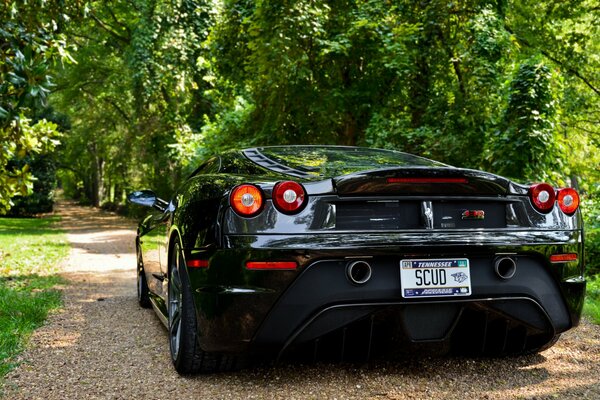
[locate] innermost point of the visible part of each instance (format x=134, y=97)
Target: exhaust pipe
x=505, y=267
x=359, y=272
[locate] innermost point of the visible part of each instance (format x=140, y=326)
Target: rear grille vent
x=410, y=214
x=390, y=215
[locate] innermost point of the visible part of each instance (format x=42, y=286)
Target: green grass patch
x=591, y=307
x=30, y=250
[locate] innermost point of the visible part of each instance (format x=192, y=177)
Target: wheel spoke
x=174, y=306
x=177, y=337
x=176, y=317
x=175, y=322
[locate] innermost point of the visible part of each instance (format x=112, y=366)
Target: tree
x=526, y=131
x=30, y=45
x=158, y=85
x=137, y=92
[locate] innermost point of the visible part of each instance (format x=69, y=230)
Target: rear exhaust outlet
x=358, y=272
x=505, y=267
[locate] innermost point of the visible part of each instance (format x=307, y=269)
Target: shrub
x=592, y=251
x=41, y=200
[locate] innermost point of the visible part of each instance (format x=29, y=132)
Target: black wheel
x=186, y=354
x=143, y=293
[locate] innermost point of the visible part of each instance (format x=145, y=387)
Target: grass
x=30, y=250
x=591, y=307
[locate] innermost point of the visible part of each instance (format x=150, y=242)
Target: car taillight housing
x=271, y=265
x=289, y=197
x=542, y=197
x=561, y=258
x=568, y=200
x=197, y=263
x=246, y=200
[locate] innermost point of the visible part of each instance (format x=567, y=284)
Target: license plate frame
x=435, y=277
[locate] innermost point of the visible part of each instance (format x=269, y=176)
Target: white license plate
x=440, y=277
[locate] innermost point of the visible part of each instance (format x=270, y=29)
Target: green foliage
x=384, y=74
x=591, y=308
x=21, y=139
x=43, y=169
x=169, y=83
x=590, y=207
x=30, y=250
x=159, y=85
x=591, y=212
x=309, y=72
x=136, y=96
x=592, y=251
x=30, y=45
x=526, y=131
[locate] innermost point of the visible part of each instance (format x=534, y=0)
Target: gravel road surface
x=103, y=346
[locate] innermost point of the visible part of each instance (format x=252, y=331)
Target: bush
x=592, y=251
x=41, y=200
x=591, y=215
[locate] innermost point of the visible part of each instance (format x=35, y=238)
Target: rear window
x=330, y=161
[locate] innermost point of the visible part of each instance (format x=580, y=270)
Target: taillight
x=568, y=200
x=271, y=265
x=559, y=258
x=197, y=263
x=246, y=200
x=289, y=197
x=542, y=196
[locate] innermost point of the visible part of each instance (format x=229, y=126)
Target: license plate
x=441, y=277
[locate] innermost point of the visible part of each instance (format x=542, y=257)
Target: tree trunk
x=97, y=177
x=350, y=130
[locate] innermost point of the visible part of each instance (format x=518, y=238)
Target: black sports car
x=352, y=252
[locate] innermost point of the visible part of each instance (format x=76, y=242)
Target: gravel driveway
x=103, y=346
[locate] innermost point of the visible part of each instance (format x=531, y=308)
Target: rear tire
x=143, y=293
x=186, y=354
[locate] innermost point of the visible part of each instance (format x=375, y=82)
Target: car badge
x=473, y=214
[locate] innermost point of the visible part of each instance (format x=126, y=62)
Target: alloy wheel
x=175, y=304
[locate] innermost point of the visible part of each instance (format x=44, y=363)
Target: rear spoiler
x=422, y=181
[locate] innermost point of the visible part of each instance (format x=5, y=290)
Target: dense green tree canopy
x=32, y=47
x=155, y=86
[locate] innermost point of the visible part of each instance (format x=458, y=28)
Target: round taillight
x=542, y=196
x=246, y=200
x=568, y=200
x=289, y=197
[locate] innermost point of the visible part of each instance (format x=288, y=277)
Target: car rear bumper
x=243, y=310
x=529, y=305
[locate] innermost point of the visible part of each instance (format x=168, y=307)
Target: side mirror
x=147, y=198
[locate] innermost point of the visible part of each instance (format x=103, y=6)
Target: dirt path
x=103, y=346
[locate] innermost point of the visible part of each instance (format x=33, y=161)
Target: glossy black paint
x=375, y=182
x=239, y=310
